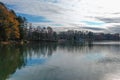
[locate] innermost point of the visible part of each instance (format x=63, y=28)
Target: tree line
x=41, y=34
x=48, y=34
x=74, y=35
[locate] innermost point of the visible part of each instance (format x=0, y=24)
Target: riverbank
x=21, y=42
x=14, y=42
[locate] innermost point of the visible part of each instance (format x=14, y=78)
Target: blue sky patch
x=11, y=6
x=93, y=23
x=33, y=18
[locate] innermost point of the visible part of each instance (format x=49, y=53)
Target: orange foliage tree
x=9, y=25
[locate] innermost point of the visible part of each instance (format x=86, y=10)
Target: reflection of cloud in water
x=107, y=43
x=80, y=63
x=110, y=60
x=113, y=76
x=93, y=57
x=66, y=67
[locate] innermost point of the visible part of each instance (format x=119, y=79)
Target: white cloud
x=68, y=12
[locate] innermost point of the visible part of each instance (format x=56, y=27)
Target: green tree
x=22, y=26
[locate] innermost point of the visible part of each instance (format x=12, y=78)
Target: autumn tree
x=9, y=25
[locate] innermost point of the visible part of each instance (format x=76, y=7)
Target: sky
x=92, y=15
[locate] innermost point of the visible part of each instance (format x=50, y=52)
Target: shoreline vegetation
x=59, y=41
x=16, y=30
x=14, y=42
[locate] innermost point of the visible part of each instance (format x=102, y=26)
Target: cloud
x=93, y=23
x=115, y=29
x=110, y=20
x=90, y=13
x=94, y=28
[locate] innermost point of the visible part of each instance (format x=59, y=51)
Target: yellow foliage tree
x=9, y=25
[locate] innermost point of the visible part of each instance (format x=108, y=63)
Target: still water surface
x=66, y=61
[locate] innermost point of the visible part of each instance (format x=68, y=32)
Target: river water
x=60, y=61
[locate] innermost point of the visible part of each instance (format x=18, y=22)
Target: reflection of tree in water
x=46, y=49
x=73, y=46
x=11, y=59
x=14, y=57
x=41, y=49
